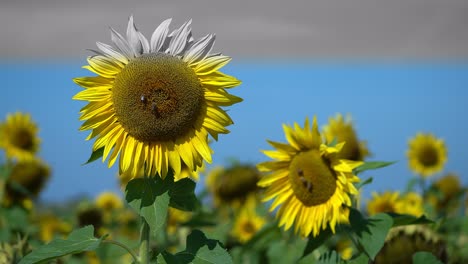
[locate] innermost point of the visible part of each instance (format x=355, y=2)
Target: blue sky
x=389, y=102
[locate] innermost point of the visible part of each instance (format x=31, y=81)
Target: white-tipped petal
x=200, y=49
x=179, y=40
x=159, y=35
x=109, y=51
x=133, y=38
x=144, y=43
x=121, y=43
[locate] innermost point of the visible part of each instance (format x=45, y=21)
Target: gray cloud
x=259, y=29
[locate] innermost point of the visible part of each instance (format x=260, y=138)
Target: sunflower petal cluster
x=154, y=102
x=307, y=181
x=427, y=154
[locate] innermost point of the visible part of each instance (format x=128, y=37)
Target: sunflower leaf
x=182, y=194
x=402, y=219
x=425, y=258
x=364, y=183
x=150, y=198
x=330, y=257
x=199, y=249
x=372, y=165
x=315, y=242
x=78, y=241
x=97, y=154
x=371, y=232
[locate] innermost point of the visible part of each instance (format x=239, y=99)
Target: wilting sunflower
x=155, y=102
x=18, y=136
x=426, y=154
x=307, y=179
x=342, y=130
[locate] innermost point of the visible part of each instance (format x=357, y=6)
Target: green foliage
x=372, y=165
x=425, y=258
x=276, y=250
x=371, y=232
x=361, y=184
x=152, y=196
x=78, y=241
x=97, y=154
x=401, y=220
x=199, y=249
x=330, y=257
x=315, y=242
x=13, y=220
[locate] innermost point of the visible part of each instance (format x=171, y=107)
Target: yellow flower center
x=311, y=178
x=157, y=97
x=428, y=156
x=23, y=139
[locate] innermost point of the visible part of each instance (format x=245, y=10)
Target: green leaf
x=150, y=198
x=401, y=220
x=182, y=194
x=78, y=241
x=5, y=172
x=199, y=250
x=330, y=257
x=372, y=165
x=95, y=155
x=315, y=242
x=359, y=259
x=359, y=185
x=276, y=251
x=425, y=258
x=371, y=232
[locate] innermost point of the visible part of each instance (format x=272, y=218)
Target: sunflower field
x=152, y=107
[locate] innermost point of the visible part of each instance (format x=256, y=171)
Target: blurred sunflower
x=444, y=193
x=307, y=179
x=247, y=222
x=26, y=181
x=18, y=136
x=426, y=154
x=155, y=102
x=175, y=218
x=386, y=202
x=342, y=130
x=402, y=242
x=90, y=215
x=233, y=185
x=411, y=203
x=50, y=226
x=109, y=201
x=345, y=248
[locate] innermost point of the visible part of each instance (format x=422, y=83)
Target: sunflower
x=155, y=102
x=109, y=201
x=247, y=222
x=386, y=202
x=234, y=184
x=26, y=181
x=50, y=225
x=426, y=154
x=444, y=193
x=18, y=136
x=307, y=179
x=175, y=218
x=403, y=242
x=412, y=204
x=342, y=130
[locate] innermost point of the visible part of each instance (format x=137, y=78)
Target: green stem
x=144, y=242
x=122, y=246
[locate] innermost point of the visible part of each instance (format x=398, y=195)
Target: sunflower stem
x=117, y=243
x=144, y=242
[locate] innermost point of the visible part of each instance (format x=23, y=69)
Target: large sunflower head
x=155, y=101
x=312, y=185
x=18, y=136
x=27, y=179
x=234, y=184
x=426, y=154
x=342, y=130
